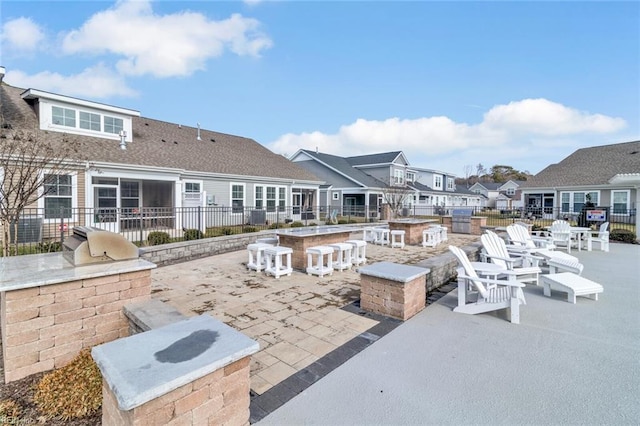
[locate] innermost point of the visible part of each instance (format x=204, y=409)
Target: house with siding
x=608, y=174
x=500, y=195
x=357, y=184
x=138, y=164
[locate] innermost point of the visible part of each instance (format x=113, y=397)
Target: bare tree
x=468, y=171
x=396, y=196
x=25, y=153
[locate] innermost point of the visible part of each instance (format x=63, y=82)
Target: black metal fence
x=43, y=230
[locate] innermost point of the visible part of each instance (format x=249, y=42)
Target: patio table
x=412, y=228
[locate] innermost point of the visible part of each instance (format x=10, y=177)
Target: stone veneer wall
x=392, y=298
x=45, y=327
x=219, y=398
x=168, y=254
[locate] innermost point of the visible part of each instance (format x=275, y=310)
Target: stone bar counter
x=412, y=228
x=300, y=239
x=50, y=309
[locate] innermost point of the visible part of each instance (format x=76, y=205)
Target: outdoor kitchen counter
x=412, y=228
x=19, y=272
x=300, y=239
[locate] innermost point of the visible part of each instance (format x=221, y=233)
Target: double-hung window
x=620, y=202
x=437, y=182
x=398, y=177
x=58, y=196
x=271, y=198
x=259, y=197
x=572, y=202
x=192, y=191
x=237, y=198
x=282, y=199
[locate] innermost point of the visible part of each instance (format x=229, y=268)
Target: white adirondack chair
x=519, y=236
x=524, y=266
x=601, y=237
x=492, y=295
x=561, y=234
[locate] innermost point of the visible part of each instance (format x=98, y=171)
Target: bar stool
x=369, y=234
x=382, y=236
x=397, y=238
x=443, y=233
x=321, y=268
x=275, y=265
x=358, y=252
x=257, y=258
x=343, y=256
x=430, y=237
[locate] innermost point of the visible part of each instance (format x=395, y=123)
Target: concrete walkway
x=564, y=364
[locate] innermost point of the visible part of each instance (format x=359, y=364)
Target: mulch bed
x=22, y=391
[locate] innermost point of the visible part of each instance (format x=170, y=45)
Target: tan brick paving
x=295, y=319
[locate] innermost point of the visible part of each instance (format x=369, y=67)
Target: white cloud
x=169, y=45
x=94, y=82
x=543, y=117
x=22, y=35
x=514, y=132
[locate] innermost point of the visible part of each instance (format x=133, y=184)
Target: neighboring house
x=357, y=185
x=500, y=195
x=608, y=174
x=165, y=166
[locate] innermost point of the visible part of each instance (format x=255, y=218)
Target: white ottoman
x=343, y=256
x=278, y=261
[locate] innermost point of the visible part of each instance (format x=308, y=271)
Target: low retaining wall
x=169, y=254
x=443, y=267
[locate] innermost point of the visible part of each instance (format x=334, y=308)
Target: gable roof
x=342, y=166
x=165, y=145
x=590, y=166
x=489, y=186
x=371, y=159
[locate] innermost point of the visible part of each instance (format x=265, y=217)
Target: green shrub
x=313, y=224
x=343, y=221
x=297, y=224
x=157, y=238
x=227, y=231
x=192, y=234
x=277, y=225
x=49, y=247
x=535, y=227
x=248, y=229
x=623, y=235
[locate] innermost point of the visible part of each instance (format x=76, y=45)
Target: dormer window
x=89, y=121
x=80, y=117
x=113, y=125
x=63, y=116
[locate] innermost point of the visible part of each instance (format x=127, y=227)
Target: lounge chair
x=561, y=234
x=524, y=266
x=521, y=244
x=492, y=295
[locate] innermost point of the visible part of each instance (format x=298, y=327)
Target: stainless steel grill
x=91, y=245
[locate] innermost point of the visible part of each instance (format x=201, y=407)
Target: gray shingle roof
x=343, y=166
x=167, y=145
x=589, y=166
x=380, y=158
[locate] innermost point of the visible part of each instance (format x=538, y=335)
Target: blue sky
x=449, y=83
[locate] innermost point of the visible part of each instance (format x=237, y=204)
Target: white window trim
x=244, y=196
x=74, y=196
x=277, y=198
x=335, y=196
x=437, y=178
x=571, y=199
x=628, y=208
x=184, y=189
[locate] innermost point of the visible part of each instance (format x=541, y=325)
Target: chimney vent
x=2, y=73
x=199, y=138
